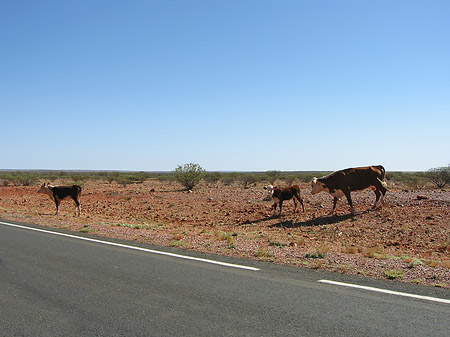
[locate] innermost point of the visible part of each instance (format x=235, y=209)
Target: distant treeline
x=439, y=177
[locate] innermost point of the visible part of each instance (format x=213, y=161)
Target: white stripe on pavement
x=152, y=251
x=428, y=298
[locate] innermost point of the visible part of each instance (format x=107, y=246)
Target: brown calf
x=58, y=193
x=286, y=193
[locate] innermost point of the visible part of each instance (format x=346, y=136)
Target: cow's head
x=269, y=189
x=45, y=188
x=317, y=186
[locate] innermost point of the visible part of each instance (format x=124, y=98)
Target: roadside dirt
x=407, y=240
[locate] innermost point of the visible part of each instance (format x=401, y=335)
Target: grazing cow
x=281, y=194
x=58, y=193
x=342, y=182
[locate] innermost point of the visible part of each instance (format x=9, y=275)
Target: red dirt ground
x=411, y=233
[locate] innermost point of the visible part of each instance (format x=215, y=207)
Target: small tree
x=272, y=176
x=439, y=176
x=289, y=179
x=247, y=179
x=189, y=175
x=229, y=178
x=212, y=177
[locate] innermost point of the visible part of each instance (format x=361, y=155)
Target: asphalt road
x=52, y=285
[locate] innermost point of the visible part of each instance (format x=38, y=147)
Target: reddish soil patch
x=411, y=233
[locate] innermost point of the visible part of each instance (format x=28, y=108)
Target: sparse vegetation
x=277, y=244
x=319, y=253
x=86, y=229
x=436, y=177
x=224, y=236
x=350, y=249
x=393, y=274
x=212, y=177
x=178, y=243
x=440, y=177
x=375, y=252
x=408, y=234
x=189, y=175
x=263, y=253
x=248, y=179
x=315, y=255
x=272, y=176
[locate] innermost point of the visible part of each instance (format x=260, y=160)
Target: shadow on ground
x=320, y=221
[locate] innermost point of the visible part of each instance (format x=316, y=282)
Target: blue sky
x=231, y=85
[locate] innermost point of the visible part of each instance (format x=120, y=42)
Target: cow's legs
x=382, y=197
x=281, y=205
x=295, y=204
x=349, y=199
x=377, y=197
x=78, y=207
x=301, y=201
x=57, y=201
x=380, y=190
x=274, y=206
x=334, y=206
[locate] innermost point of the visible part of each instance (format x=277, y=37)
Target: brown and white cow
x=58, y=193
x=286, y=193
x=342, y=182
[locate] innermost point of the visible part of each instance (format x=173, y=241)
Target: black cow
x=58, y=193
x=342, y=182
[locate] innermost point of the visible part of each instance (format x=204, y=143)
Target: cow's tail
x=383, y=172
x=382, y=176
x=383, y=183
x=78, y=189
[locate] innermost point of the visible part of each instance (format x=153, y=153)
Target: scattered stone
x=422, y=197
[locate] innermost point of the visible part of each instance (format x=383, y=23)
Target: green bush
x=189, y=175
x=272, y=176
x=19, y=178
x=289, y=179
x=439, y=176
x=248, y=179
x=212, y=177
x=229, y=178
x=393, y=274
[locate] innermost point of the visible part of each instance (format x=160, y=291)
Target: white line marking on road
x=428, y=298
x=225, y=264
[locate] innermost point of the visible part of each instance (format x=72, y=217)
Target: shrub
x=316, y=255
x=24, y=179
x=439, y=176
x=178, y=243
x=393, y=274
x=248, y=179
x=277, y=244
x=224, y=236
x=415, y=181
x=319, y=253
x=212, y=177
x=272, y=176
x=308, y=177
x=263, y=253
x=289, y=179
x=229, y=178
x=189, y=175
x=127, y=179
x=375, y=252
